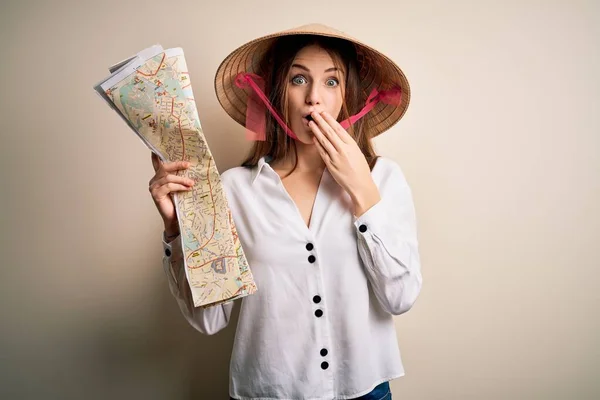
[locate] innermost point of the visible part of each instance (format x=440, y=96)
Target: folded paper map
x=152, y=92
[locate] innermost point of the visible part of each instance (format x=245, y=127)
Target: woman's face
x=314, y=84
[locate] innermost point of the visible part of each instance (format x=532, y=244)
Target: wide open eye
x=332, y=82
x=298, y=80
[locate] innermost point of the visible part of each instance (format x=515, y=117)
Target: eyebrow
x=307, y=70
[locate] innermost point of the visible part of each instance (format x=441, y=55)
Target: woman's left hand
x=345, y=161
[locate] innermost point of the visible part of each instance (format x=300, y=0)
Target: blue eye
x=332, y=82
x=298, y=80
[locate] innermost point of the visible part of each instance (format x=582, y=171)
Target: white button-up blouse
x=321, y=324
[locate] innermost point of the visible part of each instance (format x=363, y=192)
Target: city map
x=152, y=92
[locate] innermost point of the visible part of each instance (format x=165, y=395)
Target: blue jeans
x=381, y=392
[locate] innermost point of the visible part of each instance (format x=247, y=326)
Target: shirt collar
x=261, y=163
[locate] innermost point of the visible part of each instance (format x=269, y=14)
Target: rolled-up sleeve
x=388, y=245
x=209, y=320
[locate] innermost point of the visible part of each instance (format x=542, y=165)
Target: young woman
x=327, y=226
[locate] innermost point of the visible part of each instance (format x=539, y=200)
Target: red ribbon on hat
x=255, y=115
x=255, y=111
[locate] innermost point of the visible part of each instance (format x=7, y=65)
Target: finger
x=155, y=161
x=328, y=131
x=162, y=185
x=167, y=168
x=164, y=190
x=165, y=180
x=322, y=151
x=322, y=139
x=337, y=128
x=176, y=166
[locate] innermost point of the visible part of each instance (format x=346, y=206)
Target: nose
x=313, y=95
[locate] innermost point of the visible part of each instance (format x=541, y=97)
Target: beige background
x=500, y=145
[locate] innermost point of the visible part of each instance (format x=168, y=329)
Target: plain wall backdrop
x=500, y=145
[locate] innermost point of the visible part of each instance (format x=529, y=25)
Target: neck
x=309, y=159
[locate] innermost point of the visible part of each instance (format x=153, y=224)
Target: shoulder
x=235, y=176
x=386, y=168
x=390, y=179
x=237, y=179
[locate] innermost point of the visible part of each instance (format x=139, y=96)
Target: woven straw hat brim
x=377, y=71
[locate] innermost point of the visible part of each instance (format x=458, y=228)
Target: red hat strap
x=257, y=101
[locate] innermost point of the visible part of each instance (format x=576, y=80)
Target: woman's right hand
x=163, y=183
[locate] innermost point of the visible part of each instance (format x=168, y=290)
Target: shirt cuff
x=375, y=217
x=172, y=249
